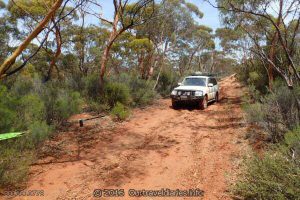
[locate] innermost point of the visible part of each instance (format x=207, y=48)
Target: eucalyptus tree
x=8, y=31
x=126, y=16
x=8, y=63
x=173, y=19
x=45, y=17
x=87, y=43
x=193, y=43
x=271, y=26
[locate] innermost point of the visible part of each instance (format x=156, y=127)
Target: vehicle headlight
x=174, y=92
x=199, y=93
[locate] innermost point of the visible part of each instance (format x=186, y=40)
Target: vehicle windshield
x=194, y=81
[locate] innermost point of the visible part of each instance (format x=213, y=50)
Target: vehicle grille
x=185, y=93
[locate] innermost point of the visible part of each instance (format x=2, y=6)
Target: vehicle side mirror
x=210, y=85
x=179, y=84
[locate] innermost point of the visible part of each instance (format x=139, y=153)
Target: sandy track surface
x=158, y=147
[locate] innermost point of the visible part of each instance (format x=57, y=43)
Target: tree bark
x=81, y=51
x=161, y=64
x=271, y=56
x=273, y=47
x=40, y=27
x=57, y=53
x=113, y=35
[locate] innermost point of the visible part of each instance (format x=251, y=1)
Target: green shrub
x=142, y=92
x=292, y=144
x=116, y=92
x=67, y=104
x=271, y=177
x=92, y=87
x=97, y=106
x=274, y=176
x=120, y=111
x=22, y=86
x=276, y=112
x=60, y=103
x=167, y=81
x=254, y=114
x=7, y=111
x=30, y=109
x=253, y=73
x=38, y=132
x=14, y=165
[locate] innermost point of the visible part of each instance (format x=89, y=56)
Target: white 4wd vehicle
x=200, y=89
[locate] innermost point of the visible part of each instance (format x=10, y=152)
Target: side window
x=210, y=80
x=214, y=81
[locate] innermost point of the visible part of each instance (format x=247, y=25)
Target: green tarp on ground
x=6, y=136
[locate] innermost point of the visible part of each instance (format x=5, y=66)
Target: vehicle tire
x=203, y=103
x=217, y=97
x=174, y=104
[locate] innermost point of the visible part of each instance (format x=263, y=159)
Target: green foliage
x=271, y=177
x=274, y=176
x=30, y=109
x=116, y=92
x=66, y=104
x=292, y=144
x=167, y=81
x=126, y=89
x=194, y=9
x=33, y=107
x=254, y=114
x=253, y=73
x=14, y=166
x=97, y=106
x=7, y=112
x=2, y=4
x=60, y=103
x=92, y=87
x=142, y=92
x=38, y=132
x=120, y=111
x=276, y=112
x=143, y=44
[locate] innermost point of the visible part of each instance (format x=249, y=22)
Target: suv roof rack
x=202, y=74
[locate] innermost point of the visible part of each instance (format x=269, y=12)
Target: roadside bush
x=276, y=175
x=292, y=145
x=142, y=92
x=38, y=132
x=30, y=109
x=60, y=103
x=92, y=87
x=272, y=177
x=276, y=112
x=97, y=106
x=125, y=88
x=253, y=74
x=116, y=92
x=14, y=166
x=67, y=104
x=7, y=111
x=120, y=111
x=16, y=155
x=167, y=81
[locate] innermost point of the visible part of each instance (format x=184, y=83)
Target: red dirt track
x=158, y=147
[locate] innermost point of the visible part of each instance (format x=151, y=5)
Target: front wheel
x=203, y=103
x=174, y=104
x=217, y=97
